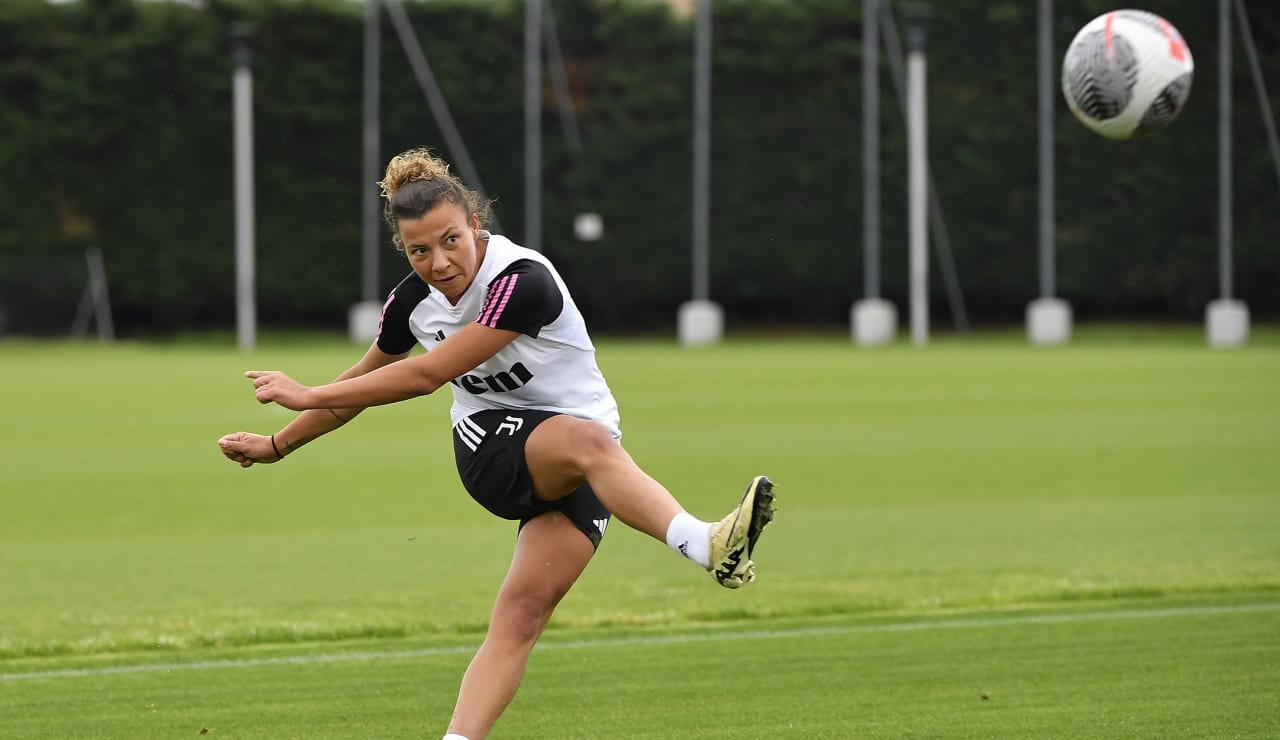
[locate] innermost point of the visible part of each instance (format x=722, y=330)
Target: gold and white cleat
x=733, y=539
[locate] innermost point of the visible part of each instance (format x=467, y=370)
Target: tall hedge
x=116, y=132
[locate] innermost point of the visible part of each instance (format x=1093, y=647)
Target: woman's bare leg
x=550, y=555
x=564, y=452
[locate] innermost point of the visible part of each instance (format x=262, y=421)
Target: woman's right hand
x=248, y=448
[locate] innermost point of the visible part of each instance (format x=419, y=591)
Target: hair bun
x=412, y=166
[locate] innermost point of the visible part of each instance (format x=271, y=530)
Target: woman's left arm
x=409, y=378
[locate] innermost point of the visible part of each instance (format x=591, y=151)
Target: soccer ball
x=1127, y=73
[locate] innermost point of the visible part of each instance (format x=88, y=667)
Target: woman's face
x=444, y=248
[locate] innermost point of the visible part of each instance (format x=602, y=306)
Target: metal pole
x=560, y=83
x=870, y=150
x=1224, y=149
x=95, y=303
x=533, y=124
x=917, y=184
x=435, y=99
x=370, y=221
x=702, y=152
x=1268, y=118
x=101, y=299
x=1047, y=216
x=242, y=118
x=937, y=223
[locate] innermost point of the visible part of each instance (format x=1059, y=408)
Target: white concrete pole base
x=1227, y=323
x=1049, y=321
x=874, y=322
x=700, y=322
x=362, y=321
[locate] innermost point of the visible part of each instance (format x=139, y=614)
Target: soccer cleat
x=733, y=539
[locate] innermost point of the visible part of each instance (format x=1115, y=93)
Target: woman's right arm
x=310, y=425
x=247, y=448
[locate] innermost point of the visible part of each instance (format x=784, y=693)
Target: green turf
x=1184, y=672
x=1135, y=468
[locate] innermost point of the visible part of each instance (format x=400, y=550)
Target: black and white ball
x=1127, y=73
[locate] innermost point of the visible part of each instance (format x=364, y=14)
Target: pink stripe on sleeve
x=382, y=316
x=491, y=300
x=491, y=320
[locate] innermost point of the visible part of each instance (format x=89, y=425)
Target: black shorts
x=489, y=449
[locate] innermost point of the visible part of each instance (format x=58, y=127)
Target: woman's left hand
x=273, y=386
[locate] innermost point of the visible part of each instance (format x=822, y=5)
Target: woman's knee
x=565, y=452
x=594, y=445
x=522, y=616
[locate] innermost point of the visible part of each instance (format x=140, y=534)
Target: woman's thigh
x=561, y=450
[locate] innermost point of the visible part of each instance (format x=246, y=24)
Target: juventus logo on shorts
x=512, y=425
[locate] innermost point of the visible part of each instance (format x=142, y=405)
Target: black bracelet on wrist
x=277, y=449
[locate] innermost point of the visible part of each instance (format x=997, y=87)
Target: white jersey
x=550, y=366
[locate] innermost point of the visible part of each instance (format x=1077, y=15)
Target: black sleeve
x=524, y=298
x=394, y=335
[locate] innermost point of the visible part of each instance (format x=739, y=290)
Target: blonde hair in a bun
x=415, y=182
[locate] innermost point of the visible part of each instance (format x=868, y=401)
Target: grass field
x=978, y=540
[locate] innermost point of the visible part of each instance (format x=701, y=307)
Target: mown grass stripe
x=916, y=626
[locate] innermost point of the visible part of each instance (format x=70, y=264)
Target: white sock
x=691, y=537
x=454, y=736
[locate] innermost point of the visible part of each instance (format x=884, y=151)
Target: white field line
x=917, y=626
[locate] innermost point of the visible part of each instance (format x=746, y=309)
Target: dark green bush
x=116, y=132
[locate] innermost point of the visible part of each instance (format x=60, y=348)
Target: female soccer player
x=535, y=426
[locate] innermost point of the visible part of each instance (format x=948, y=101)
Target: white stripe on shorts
x=471, y=433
